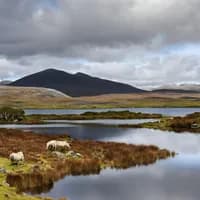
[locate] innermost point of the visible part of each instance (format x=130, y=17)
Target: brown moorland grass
x=27, y=97
x=189, y=123
x=47, y=168
x=95, y=115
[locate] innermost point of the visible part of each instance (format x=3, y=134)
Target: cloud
x=155, y=71
x=71, y=27
x=142, y=42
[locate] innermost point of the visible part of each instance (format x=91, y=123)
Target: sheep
x=16, y=158
x=55, y=145
x=62, y=145
x=51, y=145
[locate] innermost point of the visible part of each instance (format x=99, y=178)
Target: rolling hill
x=31, y=97
x=5, y=82
x=74, y=85
x=181, y=88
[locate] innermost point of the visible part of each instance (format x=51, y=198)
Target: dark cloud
x=70, y=27
x=133, y=37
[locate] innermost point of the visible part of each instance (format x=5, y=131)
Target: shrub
x=182, y=122
x=11, y=114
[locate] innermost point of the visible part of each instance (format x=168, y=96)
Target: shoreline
x=41, y=168
x=121, y=115
x=81, y=107
x=189, y=123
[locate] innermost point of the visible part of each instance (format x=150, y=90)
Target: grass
x=7, y=192
x=136, y=103
x=42, y=168
x=37, y=98
x=176, y=124
x=93, y=116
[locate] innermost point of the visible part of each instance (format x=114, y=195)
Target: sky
x=146, y=43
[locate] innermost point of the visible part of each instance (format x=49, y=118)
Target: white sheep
x=55, y=145
x=51, y=145
x=15, y=158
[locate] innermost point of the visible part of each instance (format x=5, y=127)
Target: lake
x=175, y=178
x=164, y=111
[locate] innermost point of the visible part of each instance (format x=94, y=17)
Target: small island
x=96, y=115
x=17, y=116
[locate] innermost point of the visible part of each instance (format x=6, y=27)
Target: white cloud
x=141, y=42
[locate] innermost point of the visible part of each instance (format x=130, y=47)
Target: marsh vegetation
x=96, y=115
x=9, y=114
x=42, y=168
x=189, y=123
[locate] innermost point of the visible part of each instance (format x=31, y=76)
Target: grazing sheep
x=51, y=145
x=15, y=158
x=55, y=145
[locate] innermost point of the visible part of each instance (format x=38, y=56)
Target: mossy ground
x=10, y=193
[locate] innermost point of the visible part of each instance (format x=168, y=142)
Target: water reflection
x=175, y=178
x=186, y=143
x=103, y=121
x=162, y=181
x=33, y=126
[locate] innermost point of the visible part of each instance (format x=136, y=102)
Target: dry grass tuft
x=47, y=168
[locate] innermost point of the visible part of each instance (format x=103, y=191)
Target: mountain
x=74, y=85
x=179, y=88
x=176, y=91
x=5, y=82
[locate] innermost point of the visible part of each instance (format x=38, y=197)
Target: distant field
x=44, y=98
x=31, y=97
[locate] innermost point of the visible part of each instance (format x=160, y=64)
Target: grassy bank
x=40, y=119
x=189, y=123
x=42, y=168
x=7, y=192
x=95, y=115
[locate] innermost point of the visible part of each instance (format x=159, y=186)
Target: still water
x=164, y=111
x=175, y=178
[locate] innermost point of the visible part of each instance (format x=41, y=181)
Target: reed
x=46, y=168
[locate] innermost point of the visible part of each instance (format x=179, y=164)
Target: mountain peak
x=82, y=74
x=75, y=85
x=52, y=70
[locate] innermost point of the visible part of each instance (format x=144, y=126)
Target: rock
x=70, y=154
x=58, y=154
x=79, y=155
x=73, y=154
x=5, y=184
x=2, y=170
